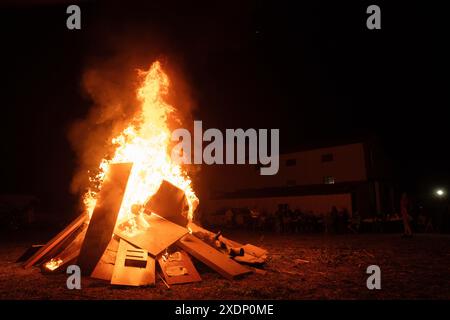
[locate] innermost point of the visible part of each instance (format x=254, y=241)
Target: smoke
x=111, y=86
x=110, y=89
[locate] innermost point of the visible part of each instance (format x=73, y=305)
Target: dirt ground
x=301, y=267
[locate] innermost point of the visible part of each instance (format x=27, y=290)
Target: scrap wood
x=104, y=217
x=67, y=242
x=57, y=264
x=181, y=260
x=133, y=266
x=164, y=281
x=209, y=236
x=248, y=254
x=53, y=243
x=105, y=266
x=255, y=251
x=155, y=236
x=213, y=258
x=68, y=254
x=252, y=255
x=170, y=203
x=249, y=259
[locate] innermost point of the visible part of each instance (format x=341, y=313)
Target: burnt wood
x=104, y=217
x=170, y=203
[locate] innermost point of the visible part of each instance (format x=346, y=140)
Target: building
x=355, y=175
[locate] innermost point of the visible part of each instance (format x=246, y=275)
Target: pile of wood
x=158, y=241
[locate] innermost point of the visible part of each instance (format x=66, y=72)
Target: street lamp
x=439, y=193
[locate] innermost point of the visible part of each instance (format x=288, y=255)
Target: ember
x=53, y=264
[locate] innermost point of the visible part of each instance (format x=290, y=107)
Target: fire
x=145, y=143
x=53, y=264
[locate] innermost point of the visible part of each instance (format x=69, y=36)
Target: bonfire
x=138, y=218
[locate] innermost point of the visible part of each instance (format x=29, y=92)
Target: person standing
x=404, y=208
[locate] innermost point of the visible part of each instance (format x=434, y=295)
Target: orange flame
x=145, y=143
x=53, y=264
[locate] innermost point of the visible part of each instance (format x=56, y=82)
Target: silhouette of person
x=404, y=206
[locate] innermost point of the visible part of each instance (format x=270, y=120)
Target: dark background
x=311, y=69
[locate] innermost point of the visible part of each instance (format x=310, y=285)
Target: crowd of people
x=286, y=220
x=409, y=219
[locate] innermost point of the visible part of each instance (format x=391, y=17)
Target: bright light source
x=440, y=192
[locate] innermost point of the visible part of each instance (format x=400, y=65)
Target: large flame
x=145, y=143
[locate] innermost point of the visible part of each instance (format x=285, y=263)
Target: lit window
x=328, y=180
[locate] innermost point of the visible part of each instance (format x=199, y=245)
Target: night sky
x=312, y=69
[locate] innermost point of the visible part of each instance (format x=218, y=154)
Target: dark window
x=327, y=157
x=328, y=180
x=291, y=162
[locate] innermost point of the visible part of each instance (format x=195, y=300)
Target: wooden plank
x=104, y=217
x=170, y=203
x=178, y=260
x=69, y=254
x=155, y=236
x=29, y=252
x=56, y=240
x=58, y=249
x=133, y=266
x=105, y=266
x=213, y=258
